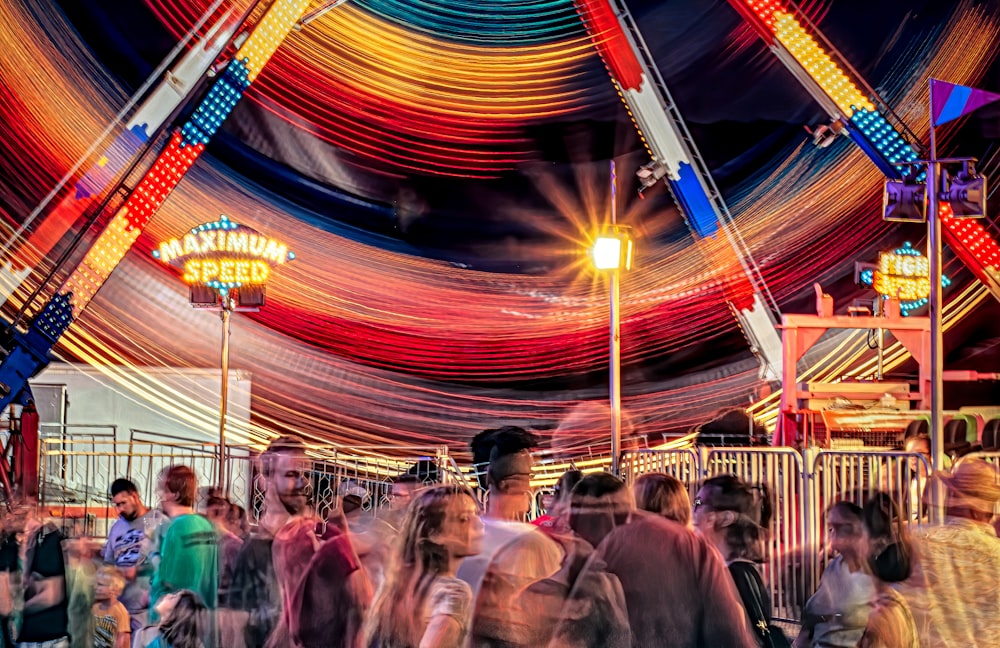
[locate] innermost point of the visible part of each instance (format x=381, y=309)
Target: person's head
x=886, y=540
x=664, y=495
x=183, y=619
x=845, y=530
x=558, y=502
x=176, y=488
x=126, y=500
x=401, y=491
x=217, y=510
x=973, y=489
x=288, y=473
x=108, y=583
x=599, y=503
x=441, y=524
x=733, y=516
x=352, y=498
x=507, y=453
x=917, y=444
x=236, y=519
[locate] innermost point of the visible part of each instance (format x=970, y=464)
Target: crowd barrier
x=801, y=488
x=75, y=475
x=77, y=468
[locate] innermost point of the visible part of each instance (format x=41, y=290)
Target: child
x=111, y=620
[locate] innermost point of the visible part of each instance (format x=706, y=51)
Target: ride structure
x=27, y=350
x=676, y=161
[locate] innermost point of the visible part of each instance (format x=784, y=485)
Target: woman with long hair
x=422, y=604
x=890, y=624
x=734, y=516
x=663, y=495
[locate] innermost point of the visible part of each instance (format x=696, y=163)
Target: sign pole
x=227, y=310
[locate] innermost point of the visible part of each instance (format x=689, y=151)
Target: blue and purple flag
x=950, y=101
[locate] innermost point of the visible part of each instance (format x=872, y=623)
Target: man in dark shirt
x=46, y=617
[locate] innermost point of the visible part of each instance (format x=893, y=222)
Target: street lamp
x=612, y=252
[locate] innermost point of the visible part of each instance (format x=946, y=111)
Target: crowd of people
x=606, y=566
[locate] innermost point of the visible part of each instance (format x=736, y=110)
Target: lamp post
x=612, y=252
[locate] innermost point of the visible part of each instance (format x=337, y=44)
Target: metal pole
x=880, y=340
x=937, y=342
x=616, y=372
x=615, y=363
x=227, y=309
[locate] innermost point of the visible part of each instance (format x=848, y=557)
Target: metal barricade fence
x=801, y=488
x=684, y=464
x=75, y=474
x=852, y=476
x=338, y=472
x=780, y=470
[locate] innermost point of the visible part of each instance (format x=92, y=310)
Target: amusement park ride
x=854, y=108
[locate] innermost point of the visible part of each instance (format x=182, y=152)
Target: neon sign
x=223, y=254
x=903, y=273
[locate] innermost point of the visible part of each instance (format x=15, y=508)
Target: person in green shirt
x=188, y=548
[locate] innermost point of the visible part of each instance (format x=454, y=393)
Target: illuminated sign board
x=224, y=255
x=903, y=273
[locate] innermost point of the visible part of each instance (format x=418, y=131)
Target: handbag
x=752, y=592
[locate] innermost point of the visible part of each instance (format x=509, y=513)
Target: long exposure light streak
x=468, y=343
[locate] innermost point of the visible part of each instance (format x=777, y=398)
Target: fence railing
x=76, y=472
x=801, y=488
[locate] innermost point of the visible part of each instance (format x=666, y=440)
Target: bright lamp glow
x=607, y=253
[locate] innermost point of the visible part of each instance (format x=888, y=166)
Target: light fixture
x=905, y=200
x=966, y=193
x=612, y=250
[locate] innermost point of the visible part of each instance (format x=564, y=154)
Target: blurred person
x=556, y=518
x=663, y=495
x=734, y=516
x=45, y=617
x=217, y=512
x=189, y=550
x=837, y=613
x=130, y=546
x=331, y=601
x=891, y=624
x=596, y=614
x=290, y=473
x=423, y=603
x=112, y=623
x=10, y=569
x=953, y=592
x=254, y=600
x=675, y=585
x=80, y=553
x=515, y=554
x=183, y=622
x=236, y=520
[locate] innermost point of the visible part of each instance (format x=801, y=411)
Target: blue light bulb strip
x=217, y=104
x=883, y=141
